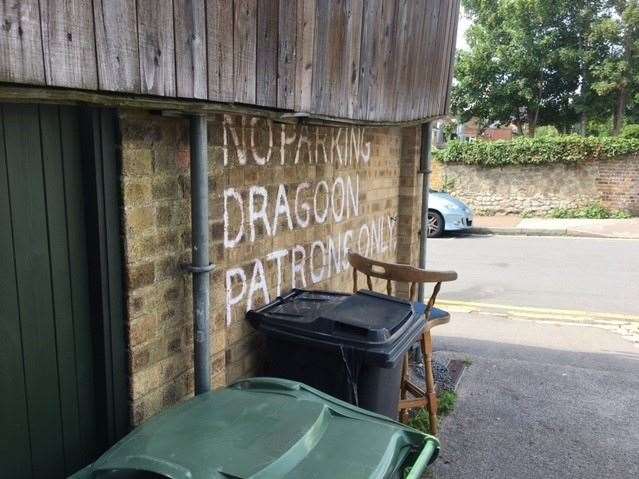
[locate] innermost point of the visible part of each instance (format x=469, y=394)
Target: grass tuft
x=445, y=405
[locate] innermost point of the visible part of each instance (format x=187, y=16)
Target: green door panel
x=47, y=400
x=33, y=278
x=15, y=449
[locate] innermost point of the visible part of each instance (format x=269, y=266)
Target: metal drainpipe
x=200, y=267
x=425, y=170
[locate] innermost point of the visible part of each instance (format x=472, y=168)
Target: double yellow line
x=538, y=313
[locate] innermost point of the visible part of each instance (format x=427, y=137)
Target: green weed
x=592, y=211
x=445, y=405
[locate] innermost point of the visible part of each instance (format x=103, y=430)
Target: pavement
x=551, y=328
x=516, y=225
x=539, y=400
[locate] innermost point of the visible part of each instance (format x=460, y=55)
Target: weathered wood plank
x=244, y=50
x=444, y=25
x=447, y=57
x=21, y=94
x=423, y=73
x=406, y=55
x=427, y=79
x=353, y=44
x=304, y=57
x=444, y=60
x=451, y=58
x=116, y=44
x=386, y=92
x=69, y=43
x=336, y=56
x=396, y=69
x=189, y=17
x=428, y=102
x=326, y=64
x=286, y=54
x=373, y=60
x=157, y=47
x=219, y=30
x=21, y=42
x=369, y=58
x=267, y=60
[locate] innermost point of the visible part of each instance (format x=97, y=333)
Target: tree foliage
x=616, y=73
x=551, y=62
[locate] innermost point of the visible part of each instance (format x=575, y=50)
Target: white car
x=446, y=213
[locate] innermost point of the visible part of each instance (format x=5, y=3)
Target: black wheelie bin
x=350, y=346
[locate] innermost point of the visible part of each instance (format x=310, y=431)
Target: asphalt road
x=589, y=274
x=541, y=398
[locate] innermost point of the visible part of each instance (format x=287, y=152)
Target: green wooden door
x=47, y=400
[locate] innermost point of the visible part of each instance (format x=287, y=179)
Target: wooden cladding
x=376, y=60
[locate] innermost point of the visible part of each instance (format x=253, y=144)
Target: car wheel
x=435, y=224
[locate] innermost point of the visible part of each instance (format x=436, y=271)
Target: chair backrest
x=401, y=273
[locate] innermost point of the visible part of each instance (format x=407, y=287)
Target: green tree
x=586, y=52
x=616, y=74
x=552, y=62
x=520, y=67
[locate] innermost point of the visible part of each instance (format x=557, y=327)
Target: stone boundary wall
x=538, y=189
x=287, y=202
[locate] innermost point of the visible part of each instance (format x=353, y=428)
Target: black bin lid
x=380, y=326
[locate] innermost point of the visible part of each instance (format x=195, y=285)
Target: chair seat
x=437, y=317
x=438, y=314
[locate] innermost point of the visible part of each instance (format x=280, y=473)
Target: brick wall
x=286, y=203
x=540, y=189
x=617, y=183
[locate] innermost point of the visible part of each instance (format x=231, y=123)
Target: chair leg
x=402, y=389
x=431, y=395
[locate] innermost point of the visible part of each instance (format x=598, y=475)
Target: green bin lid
x=264, y=428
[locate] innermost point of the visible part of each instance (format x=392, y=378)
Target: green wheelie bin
x=267, y=428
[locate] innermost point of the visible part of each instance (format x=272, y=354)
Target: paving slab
x=515, y=225
x=540, y=400
x=505, y=221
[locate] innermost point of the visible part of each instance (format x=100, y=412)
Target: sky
x=464, y=23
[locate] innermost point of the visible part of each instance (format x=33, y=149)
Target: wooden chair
x=403, y=273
